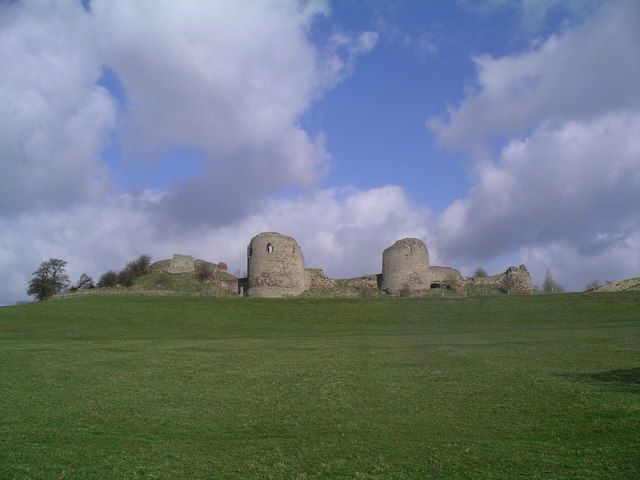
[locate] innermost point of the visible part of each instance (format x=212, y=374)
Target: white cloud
x=563, y=191
x=230, y=79
x=573, y=269
x=577, y=183
x=56, y=119
x=579, y=74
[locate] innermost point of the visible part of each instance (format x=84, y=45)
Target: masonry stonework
x=444, y=277
x=275, y=266
x=405, y=267
x=513, y=280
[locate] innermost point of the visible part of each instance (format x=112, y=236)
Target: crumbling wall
x=405, y=265
x=182, y=264
x=275, y=266
x=365, y=281
x=513, y=280
x=444, y=277
x=316, y=278
x=160, y=266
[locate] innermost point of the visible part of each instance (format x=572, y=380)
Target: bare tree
x=592, y=285
x=550, y=285
x=50, y=278
x=85, y=281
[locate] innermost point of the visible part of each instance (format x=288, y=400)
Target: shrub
x=480, y=272
x=203, y=271
x=162, y=280
x=108, y=279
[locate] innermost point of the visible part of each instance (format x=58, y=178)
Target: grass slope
x=536, y=387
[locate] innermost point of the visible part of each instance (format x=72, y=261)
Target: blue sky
x=499, y=132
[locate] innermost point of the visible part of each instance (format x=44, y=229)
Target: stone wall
x=366, y=281
x=316, y=278
x=160, y=266
x=405, y=264
x=182, y=264
x=446, y=277
x=513, y=280
x=275, y=266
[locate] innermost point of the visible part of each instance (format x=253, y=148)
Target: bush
x=480, y=272
x=132, y=270
x=136, y=268
x=108, y=279
x=163, y=280
x=203, y=271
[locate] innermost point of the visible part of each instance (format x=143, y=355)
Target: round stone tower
x=275, y=266
x=405, y=267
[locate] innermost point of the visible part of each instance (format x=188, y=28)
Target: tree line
x=52, y=278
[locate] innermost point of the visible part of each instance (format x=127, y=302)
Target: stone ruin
x=276, y=269
x=185, y=264
x=405, y=268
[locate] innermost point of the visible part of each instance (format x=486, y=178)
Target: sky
x=500, y=132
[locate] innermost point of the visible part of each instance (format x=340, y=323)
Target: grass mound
x=158, y=283
x=492, y=387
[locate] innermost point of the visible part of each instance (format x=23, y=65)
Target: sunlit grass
x=500, y=387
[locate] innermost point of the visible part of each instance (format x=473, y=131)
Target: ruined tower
x=405, y=267
x=275, y=266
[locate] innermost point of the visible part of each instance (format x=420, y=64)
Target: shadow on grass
x=624, y=380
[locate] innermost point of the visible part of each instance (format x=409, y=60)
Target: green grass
x=495, y=387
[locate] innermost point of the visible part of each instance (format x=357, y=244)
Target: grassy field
x=493, y=387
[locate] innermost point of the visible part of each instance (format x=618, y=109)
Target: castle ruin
x=405, y=267
x=275, y=268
